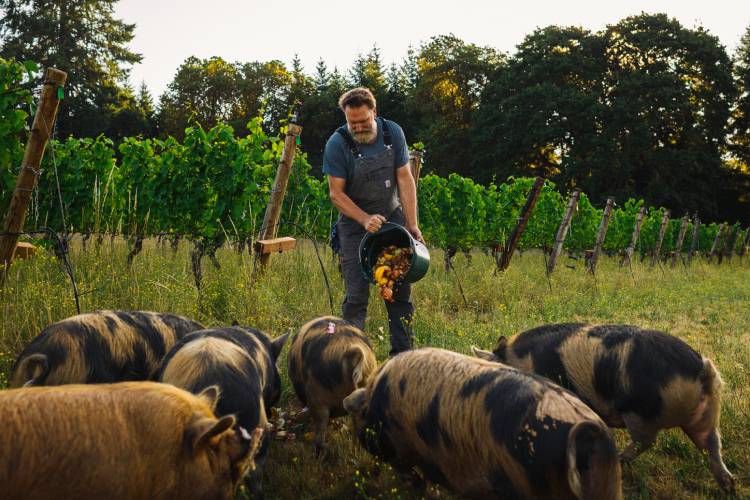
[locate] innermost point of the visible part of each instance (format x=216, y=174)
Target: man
x=370, y=182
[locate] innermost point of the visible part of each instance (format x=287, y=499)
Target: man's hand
x=373, y=223
x=416, y=233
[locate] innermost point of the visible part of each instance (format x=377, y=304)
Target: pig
x=643, y=380
x=328, y=359
x=100, y=347
x=125, y=441
x=242, y=363
x=483, y=429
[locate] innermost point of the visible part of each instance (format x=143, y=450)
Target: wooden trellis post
x=415, y=164
x=523, y=219
x=716, y=242
x=731, y=243
x=602, y=234
x=743, y=248
x=694, y=242
x=562, y=232
x=680, y=238
x=266, y=243
x=634, y=237
x=44, y=121
x=662, y=231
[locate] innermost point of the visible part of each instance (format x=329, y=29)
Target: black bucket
x=393, y=234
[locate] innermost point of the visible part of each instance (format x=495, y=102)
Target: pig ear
x=204, y=429
x=210, y=396
x=502, y=344
x=482, y=354
x=354, y=403
x=278, y=343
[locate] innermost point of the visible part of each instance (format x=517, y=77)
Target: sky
x=169, y=31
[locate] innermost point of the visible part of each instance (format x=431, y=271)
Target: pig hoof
x=727, y=484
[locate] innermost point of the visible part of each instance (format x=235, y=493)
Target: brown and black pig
x=242, y=363
x=643, y=380
x=484, y=430
x=328, y=359
x=126, y=441
x=100, y=347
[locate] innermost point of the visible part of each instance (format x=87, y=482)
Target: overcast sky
x=169, y=31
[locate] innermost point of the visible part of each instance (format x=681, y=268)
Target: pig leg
x=254, y=483
x=407, y=475
x=711, y=441
x=642, y=436
x=320, y=424
x=254, y=479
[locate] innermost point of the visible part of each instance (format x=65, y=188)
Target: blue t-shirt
x=338, y=160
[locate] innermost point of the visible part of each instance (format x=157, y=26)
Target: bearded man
x=370, y=182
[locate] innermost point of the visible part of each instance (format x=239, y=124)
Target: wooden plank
x=275, y=245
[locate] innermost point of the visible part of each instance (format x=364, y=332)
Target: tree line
x=645, y=108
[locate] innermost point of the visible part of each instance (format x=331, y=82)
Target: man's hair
x=360, y=96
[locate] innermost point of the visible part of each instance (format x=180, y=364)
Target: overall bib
x=373, y=188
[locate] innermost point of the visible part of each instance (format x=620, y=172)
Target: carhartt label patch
x=387, y=183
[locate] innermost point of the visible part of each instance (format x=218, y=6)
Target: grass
x=706, y=305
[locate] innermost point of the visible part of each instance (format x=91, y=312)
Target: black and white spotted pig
x=100, y=347
x=242, y=363
x=484, y=430
x=644, y=380
x=328, y=359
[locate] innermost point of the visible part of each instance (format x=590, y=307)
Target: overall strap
x=387, y=137
x=344, y=132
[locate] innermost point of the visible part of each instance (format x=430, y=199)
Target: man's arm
x=407, y=193
x=345, y=205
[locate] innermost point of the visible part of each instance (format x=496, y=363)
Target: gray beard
x=366, y=137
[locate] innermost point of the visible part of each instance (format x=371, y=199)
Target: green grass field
x=706, y=305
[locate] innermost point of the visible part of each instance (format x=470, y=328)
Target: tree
x=740, y=122
x=263, y=89
x=367, y=71
x=393, y=104
x=639, y=109
x=204, y=91
x=739, y=139
x=446, y=94
x=81, y=38
x=668, y=90
x=542, y=113
x=320, y=114
x=134, y=117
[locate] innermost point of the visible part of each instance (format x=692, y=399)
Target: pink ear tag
x=331, y=327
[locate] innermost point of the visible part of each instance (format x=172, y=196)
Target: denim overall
x=373, y=188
